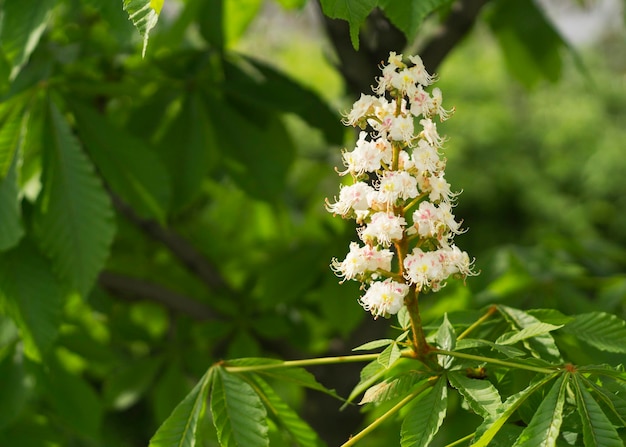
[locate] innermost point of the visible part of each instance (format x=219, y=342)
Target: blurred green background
x=211, y=159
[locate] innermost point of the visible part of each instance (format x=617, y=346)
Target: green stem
x=413, y=202
x=492, y=310
x=393, y=410
x=462, y=440
x=480, y=358
x=305, y=362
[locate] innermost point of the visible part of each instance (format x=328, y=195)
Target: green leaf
x=601, y=330
x=73, y=399
x=613, y=394
x=32, y=296
x=13, y=122
x=238, y=413
x=258, y=150
x=353, y=11
x=492, y=425
x=446, y=339
x=481, y=396
x=425, y=416
x=391, y=389
x=128, y=166
x=408, y=15
x=543, y=429
x=74, y=219
x=15, y=387
x=179, y=429
x=375, y=344
x=530, y=43
x=264, y=86
x=144, y=14
x=469, y=343
x=24, y=21
x=288, y=419
x=11, y=230
x=404, y=318
x=126, y=386
x=390, y=355
x=370, y=374
x=532, y=330
x=597, y=429
x=189, y=150
x=542, y=346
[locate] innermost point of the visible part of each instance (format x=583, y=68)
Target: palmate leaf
x=490, y=427
x=144, y=14
x=408, y=15
x=469, y=343
x=597, y=428
x=375, y=344
x=179, y=429
x=390, y=355
x=532, y=330
x=23, y=24
x=544, y=427
x=601, y=330
x=74, y=219
x=446, y=339
x=542, y=346
x=424, y=418
x=354, y=11
x=481, y=396
x=129, y=167
x=32, y=296
x=391, y=389
x=287, y=419
x=239, y=415
x=613, y=394
x=12, y=128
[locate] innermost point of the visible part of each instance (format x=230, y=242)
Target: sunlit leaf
x=597, y=428
x=130, y=168
x=481, y=396
x=144, y=14
x=425, y=416
x=446, y=339
x=532, y=330
x=74, y=219
x=543, y=346
x=353, y=11
x=390, y=355
x=238, y=413
x=544, y=427
x=179, y=429
x=393, y=388
x=408, y=15
x=375, y=344
x=601, y=330
x=32, y=296
x=492, y=425
x=288, y=419
x=24, y=23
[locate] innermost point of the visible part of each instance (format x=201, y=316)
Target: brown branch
x=194, y=261
x=135, y=289
x=456, y=26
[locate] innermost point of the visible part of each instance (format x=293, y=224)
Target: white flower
x=419, y=71
x=419, y=268
x=363, y=106
x=439, y=188
x=361, y=260
x=404, y=80
x=436, y=107
x=351, y=198
x=430, y=133
x=394, y=185
x=366, y=157
x=402, y=129
x=426, y=219
x=426, y=158
x=384, y=298
x=420, y=102
x=384, y=228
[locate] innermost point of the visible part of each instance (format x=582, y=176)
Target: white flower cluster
x=399, y=195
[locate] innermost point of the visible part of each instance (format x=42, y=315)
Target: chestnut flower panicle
x=399, y=197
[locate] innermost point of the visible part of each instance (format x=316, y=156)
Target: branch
x=192, y=259
x=137, y=289
x=457, y=25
